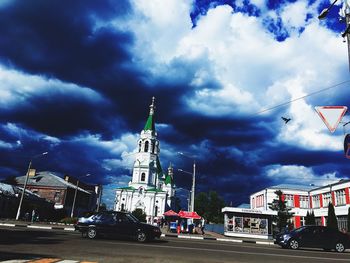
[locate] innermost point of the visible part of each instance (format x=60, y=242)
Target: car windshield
x=132, y=218
x=298, y=230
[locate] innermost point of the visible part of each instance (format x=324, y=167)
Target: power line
x=303, y=97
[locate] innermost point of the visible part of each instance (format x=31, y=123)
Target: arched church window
x=155, y=210
x=143, y=177
x=122, y=208
x=139, y=146
x=153, y=147
x=146, y=146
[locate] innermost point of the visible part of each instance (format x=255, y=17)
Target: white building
x=256, y=220
x=149, y=189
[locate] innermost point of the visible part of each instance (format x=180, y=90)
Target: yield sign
x=331, y=115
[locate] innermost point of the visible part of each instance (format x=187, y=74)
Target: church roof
x=149, y=126
x=168, y=180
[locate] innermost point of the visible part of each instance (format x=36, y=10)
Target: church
x=150, y=189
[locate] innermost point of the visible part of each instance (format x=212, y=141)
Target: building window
x=57, y=197
x=140, y=146
x=289, y=200
x=122, y=208
x=259, y=201
x=153, y=147
x=143, y=177
x=340, y=197
x=316, y=201
x=327, y=198
x=304, y=201
x=146, y=146
x=155, y=210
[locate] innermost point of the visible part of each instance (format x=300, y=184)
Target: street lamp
x=325, y=11
x=25, y=183
x=75, y=194
x=193, y=181
x=346, y=34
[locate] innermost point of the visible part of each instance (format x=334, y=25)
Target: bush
x=69, y=220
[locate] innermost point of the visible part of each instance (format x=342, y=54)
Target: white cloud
x=20, y=133
x=17, y=87
x=251, y=70
x=294, y=174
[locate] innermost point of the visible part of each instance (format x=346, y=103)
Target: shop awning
x=170, y=213
x=186, y=214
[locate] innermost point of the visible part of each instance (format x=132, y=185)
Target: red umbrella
x=185, y=214
x=170, y=213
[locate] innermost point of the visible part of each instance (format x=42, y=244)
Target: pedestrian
x=203, y=226
x=33, y=215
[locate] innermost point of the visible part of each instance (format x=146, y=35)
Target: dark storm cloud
x=58, y=39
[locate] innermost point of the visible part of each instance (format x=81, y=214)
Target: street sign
x=347, y=146
x=331, y=115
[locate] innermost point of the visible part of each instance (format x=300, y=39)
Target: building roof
x=149, y=126
x=50, y=179
x=293, y=186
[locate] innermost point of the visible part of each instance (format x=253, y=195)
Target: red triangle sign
x=331, y=115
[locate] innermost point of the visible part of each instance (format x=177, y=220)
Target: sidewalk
x=207, y=236
x=216, y=236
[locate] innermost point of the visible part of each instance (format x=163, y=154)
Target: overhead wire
x=302, y=97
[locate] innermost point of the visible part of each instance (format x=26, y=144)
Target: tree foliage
x=209, y=206
x=332, y=221
x=283, y=212
x=176, y=204
x=310, y=218
x=139, y=214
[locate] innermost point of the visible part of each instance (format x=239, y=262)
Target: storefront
x=241, y=222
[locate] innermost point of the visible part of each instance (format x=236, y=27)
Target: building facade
x=150, y=189
x=61, y=191
x=300, y=199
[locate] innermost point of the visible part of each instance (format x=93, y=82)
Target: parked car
x=116, y=224
x=315, y=237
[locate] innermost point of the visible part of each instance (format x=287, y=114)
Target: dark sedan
x=116, y=224
x=314, y=237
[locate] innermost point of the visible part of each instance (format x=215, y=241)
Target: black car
x=116, y=224
x=314, y=237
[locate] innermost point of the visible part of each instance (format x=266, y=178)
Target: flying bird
x=286, y=120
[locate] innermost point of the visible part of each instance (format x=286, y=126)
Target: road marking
x=235, y=252
x=45, y=260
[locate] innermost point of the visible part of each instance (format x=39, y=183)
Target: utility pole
x=193, y=186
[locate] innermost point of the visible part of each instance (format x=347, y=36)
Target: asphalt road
x=24, y=243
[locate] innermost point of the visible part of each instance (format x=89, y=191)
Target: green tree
x=139, y=214
x=308, y=218
x=209, y=206
x=332, y=221
x=313, y=219
x=176, y=204
x=348, y=220
x=283, y=212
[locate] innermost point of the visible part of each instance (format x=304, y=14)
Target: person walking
x=203, y=226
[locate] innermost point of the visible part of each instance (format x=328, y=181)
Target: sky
x=77, y=78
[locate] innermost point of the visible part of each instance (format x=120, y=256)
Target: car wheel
x=92, y=233
x=141, y=236
x=294, y=244
x=339, y=247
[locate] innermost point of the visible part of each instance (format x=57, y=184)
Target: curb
x=270, y=243
x=38, y=227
